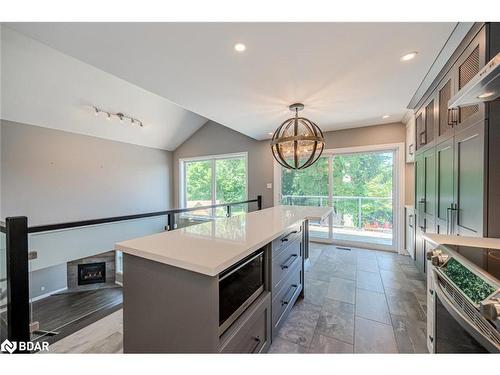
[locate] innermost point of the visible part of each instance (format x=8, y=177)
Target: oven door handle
x=461, y=319
x=241, y=266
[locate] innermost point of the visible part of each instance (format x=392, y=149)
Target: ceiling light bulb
x=270, y=133
x=240, y=47
x=486, y=95
x=386, y=116
x=409, y=56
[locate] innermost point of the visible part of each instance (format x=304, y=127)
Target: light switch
x=269, y=186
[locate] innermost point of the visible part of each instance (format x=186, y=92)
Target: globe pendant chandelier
x=298, y=142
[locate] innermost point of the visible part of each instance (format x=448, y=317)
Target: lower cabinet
x=285, y=298
x=253, y=332
x=410, y=232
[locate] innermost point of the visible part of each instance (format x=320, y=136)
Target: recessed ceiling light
x=409, y=56
x=240, y=47
x=386, y=116
x=486, y=95
x=270, y=133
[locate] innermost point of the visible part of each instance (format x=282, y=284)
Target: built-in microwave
x=239, y=286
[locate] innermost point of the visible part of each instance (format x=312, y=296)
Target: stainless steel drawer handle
x=289, y=295
x=284, y=239
x=289, y=261
x=257, y=343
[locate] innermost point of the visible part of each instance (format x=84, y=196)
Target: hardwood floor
x=67, y=313
x=358, y=301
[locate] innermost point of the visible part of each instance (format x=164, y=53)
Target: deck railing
x=363, y=211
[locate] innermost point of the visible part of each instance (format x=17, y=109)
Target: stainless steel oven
x=239, y=286
x=467, y=300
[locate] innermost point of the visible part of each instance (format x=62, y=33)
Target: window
x=213, y=180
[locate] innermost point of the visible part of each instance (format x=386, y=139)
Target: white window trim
x=398, y=192
x=212, y=158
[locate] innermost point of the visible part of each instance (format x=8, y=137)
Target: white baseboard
x=42, y=296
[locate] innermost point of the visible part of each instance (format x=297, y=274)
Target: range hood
x=483, y=87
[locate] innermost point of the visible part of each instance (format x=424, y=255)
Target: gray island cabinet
x=179, y=285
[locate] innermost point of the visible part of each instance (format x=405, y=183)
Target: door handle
x=448, y=219
x=289, y=294
x=289, y=262
x=452, y=116
x=285, y=239
x=257, y=341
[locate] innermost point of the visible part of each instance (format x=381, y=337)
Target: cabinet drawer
x=252, y=332
x=285, y=298
x=280, y=243
x=285, y=261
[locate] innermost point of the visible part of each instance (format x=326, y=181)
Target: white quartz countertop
x=209, y=248
x=483, y=242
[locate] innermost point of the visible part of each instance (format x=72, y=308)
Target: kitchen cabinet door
x=410, y=232
x=410, y=140
x=444, y=116
x=419, y=189
x=420, y=133
x=444, y=187
x=467, y=66
x=430, y=120
x=430, y=190
x=469, y=161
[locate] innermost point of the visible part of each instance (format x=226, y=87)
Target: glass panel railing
x=363, y=219
x=78, y=275
x=3, y=284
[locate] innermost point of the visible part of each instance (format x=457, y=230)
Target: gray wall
x=48, y=280
x=213, y=139
x=54, y=176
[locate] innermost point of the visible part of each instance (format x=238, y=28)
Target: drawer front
x=284, y=300
x=253, y=335
x=280, y=243
x=285, y=261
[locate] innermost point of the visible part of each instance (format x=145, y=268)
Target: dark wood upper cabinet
x=468, y=65
x=445, y=115
x=430, y=120
x=421, y=135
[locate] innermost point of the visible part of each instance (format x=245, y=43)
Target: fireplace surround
x=96, y=271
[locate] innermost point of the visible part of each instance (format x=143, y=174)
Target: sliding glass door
x=310, y=187
x=360, y=186
x=363, y=198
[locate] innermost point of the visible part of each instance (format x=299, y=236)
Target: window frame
x=212, y=159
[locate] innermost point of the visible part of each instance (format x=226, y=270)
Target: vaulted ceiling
x=347, y=74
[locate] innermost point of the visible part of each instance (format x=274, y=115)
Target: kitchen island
x=222, y=286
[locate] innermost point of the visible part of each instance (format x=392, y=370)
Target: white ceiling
x=347, y=74
x=41, y=86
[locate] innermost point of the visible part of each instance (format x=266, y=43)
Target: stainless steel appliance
x=239, y=286
x=483, y=87
x=466, y=291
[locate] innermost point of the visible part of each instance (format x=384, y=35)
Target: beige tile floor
x=358, y=301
